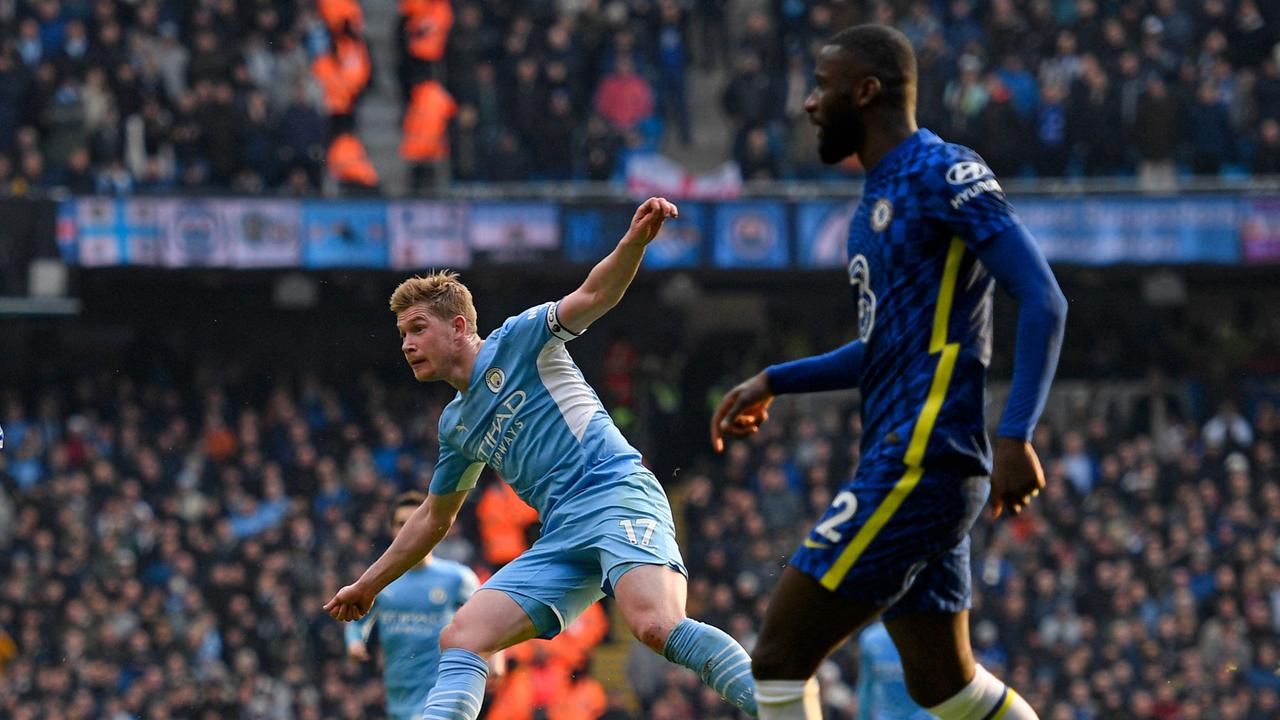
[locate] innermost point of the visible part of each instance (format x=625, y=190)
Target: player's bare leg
x=940, y=672
x=490, y=621
x=652, y=600
x=804, y=623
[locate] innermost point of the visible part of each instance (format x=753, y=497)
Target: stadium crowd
x=165, y=550
x=251, y=95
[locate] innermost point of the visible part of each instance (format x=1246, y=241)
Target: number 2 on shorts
x=648, y=523
x=849, y=502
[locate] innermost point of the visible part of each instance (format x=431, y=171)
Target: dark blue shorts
x=897, y=541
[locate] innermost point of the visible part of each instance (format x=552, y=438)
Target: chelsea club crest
x=881, y=214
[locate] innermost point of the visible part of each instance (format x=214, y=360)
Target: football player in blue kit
x=408, y=618
x=882, y=692
x=524, y=410
x=931, y=238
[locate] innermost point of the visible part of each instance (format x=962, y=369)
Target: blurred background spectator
x=177, y=502
x=156, y=91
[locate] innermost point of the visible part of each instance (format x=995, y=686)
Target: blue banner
x=344, y=234
x=592, y=231
x=1106, y=231
x=751, y=235
x=755, y=234
x=679, y=244
x=822, y=233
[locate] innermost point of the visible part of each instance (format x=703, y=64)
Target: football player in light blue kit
x=882, y=690
x=408, y=619
x=524, y=409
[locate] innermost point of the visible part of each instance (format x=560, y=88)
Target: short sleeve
x=361, y=629
x=531, y=329
x=468, y=583
x=454, y=472
x=960, y=191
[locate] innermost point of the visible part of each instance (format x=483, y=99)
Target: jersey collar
x=894, y=157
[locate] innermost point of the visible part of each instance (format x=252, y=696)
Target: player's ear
x=459, y=324
x=866, y=90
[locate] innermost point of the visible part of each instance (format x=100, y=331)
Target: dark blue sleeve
x=959, y=190
x=1019, y=267
x=839, y=369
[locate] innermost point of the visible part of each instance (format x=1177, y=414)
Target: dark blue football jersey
x=924, y=306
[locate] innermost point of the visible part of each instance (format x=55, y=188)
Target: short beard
x=844, y=132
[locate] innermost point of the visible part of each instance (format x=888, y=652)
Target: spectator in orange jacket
x=341, y=13
x=424, y=32
x=425, y=143
x=350, y=164
x=585, y=700
x=548, y=666
x=504, y=519
x=343, y=74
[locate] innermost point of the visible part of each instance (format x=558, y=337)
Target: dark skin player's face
x=842, y=127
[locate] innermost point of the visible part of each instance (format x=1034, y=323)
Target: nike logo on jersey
x=816, y=545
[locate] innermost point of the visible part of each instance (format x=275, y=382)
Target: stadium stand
x=168, y=533
x=160, y=96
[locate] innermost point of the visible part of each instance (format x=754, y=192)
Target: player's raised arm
x=428, y=525
x=611, y=277
x=745, y=407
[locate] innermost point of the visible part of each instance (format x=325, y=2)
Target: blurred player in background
x=524, y=409
x=408, y=619
x=882, y=692
x=929, y=240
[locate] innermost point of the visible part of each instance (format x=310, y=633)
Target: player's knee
x=653, y=631
x=456, y=635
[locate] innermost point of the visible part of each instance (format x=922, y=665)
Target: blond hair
x=440, y=292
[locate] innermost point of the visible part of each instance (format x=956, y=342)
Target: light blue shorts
x=580, y=560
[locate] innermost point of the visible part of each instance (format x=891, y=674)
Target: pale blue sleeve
x=454, y=471
x=360, y=629
x=531, y=329
x=468, y=583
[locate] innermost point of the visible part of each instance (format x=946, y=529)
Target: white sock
x=984, y=698
x=788, y=699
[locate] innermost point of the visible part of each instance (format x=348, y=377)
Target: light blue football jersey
x=408, y=617
x=529, y=414
x=882, y=693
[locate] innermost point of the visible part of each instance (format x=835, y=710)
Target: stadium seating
x=165, y=548
x=162, y=96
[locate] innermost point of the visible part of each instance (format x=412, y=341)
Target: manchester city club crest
x=494, y=377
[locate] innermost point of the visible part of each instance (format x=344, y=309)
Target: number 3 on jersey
x=863, y=297
x=649, y=524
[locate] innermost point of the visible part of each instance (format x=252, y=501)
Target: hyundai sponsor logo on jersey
x=963, y=173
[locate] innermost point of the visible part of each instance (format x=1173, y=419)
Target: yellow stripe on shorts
x=924, y=424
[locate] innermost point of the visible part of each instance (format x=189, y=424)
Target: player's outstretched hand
x=742, y=410
x=1017, y=476
x=351, y=603
x=649, y=217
